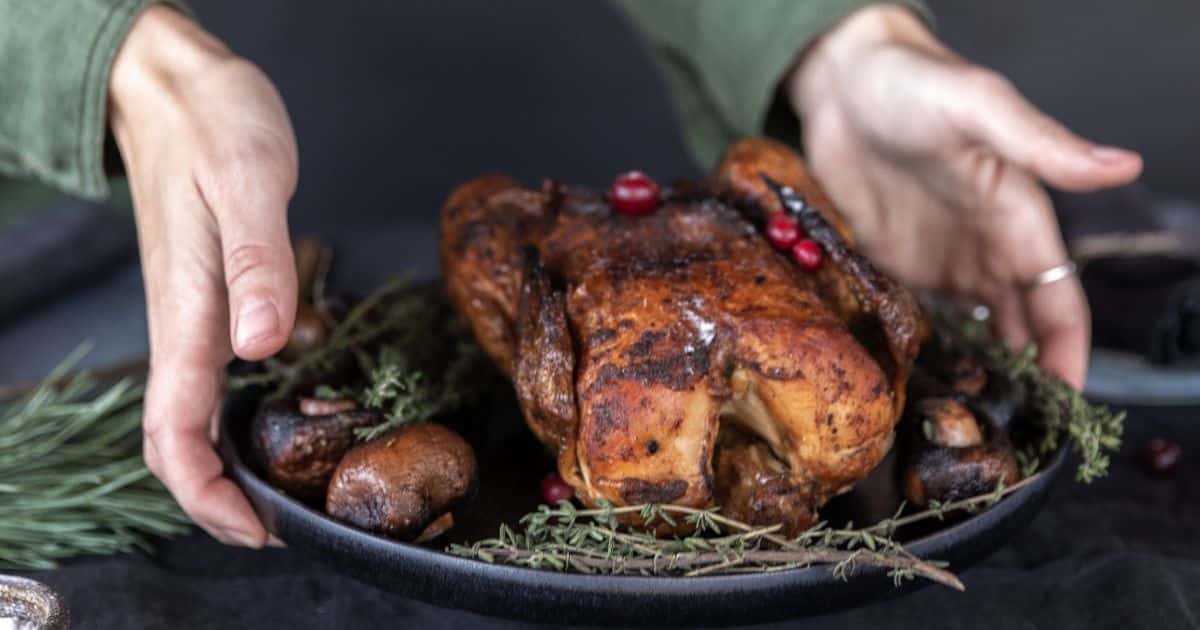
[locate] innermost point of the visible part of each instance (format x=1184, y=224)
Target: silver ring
x=1051, y=275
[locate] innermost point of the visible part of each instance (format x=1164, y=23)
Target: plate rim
x=930, y=545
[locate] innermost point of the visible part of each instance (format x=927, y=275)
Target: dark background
x=396, y=102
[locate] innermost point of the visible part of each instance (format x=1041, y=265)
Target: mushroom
x=402, y=482
x=308, y=333
x=952, y=455
x=947, y=422
x=299, y=442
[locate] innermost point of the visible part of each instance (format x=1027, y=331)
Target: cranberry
x=807, y=254
x=782, y=231
x=1162, y=456
x=633, y=194
x=554, y=489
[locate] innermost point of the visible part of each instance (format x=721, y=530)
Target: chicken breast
x=631, y=340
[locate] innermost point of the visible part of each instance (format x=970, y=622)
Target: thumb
x=260, y=272
x=990, y=110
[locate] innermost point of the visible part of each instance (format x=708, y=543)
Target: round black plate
x=511, y=464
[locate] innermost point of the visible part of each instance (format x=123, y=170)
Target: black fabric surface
x=1122, y=552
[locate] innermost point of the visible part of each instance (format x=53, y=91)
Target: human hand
x=212, y=164
x=939, y=164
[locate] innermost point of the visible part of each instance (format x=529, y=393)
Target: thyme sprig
x=1093, y=430
x=566, y=538
x=416, y=359
x=385, y=310
x=72, y=480
x=1057, y=409
x=410, y=397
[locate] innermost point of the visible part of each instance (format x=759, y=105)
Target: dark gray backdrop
x=395, y=102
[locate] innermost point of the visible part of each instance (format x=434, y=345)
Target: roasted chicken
x=678, y=357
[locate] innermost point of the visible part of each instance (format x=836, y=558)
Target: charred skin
x=300, y=452
x=544, y=366
x=882, y=314
x=678, y=322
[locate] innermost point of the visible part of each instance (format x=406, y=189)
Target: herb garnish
x=72, y=480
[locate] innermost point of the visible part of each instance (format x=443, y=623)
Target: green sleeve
x=723, y=60
x=55, y=57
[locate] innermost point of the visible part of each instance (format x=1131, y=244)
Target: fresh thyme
x=565, y=538
x=390, y=304
x=1057, y=409
x=416, y=359
x=409, y=397
x=72, y=480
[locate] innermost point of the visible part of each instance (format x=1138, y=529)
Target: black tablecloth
x=1122, y=552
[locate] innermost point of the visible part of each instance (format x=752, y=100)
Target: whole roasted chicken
x=678, y=357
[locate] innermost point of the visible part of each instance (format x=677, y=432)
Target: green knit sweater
x=722, y=60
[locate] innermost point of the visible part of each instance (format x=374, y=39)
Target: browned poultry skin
x=630, y=340
x=754, y=486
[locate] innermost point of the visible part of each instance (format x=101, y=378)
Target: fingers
x=1008, y=318
x=179, y=404
x=1059, y=318
x=249, y=198
x=990, y=110
x=1024, y=240
x=187, y=321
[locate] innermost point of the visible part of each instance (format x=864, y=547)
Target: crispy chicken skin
x=630, y=341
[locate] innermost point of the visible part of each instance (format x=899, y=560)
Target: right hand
x=939, y=166
x=212, y=164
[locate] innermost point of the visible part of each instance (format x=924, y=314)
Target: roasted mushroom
x=308, y=333
x=299, y=442
x=952, y=455
x=401, y=482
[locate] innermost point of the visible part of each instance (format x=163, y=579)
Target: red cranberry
x=554, y=489
x=1162, y=456
x=633, y=194
x=807, y=254
x=782, y=231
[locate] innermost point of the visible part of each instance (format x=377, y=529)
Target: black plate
x=512, y=464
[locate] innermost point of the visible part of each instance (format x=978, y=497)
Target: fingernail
x=242, y=538
x=255, y=321
x=1110, y=154
x=273, y=541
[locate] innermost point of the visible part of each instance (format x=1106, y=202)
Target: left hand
x=212, y=163
x=939, y=165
